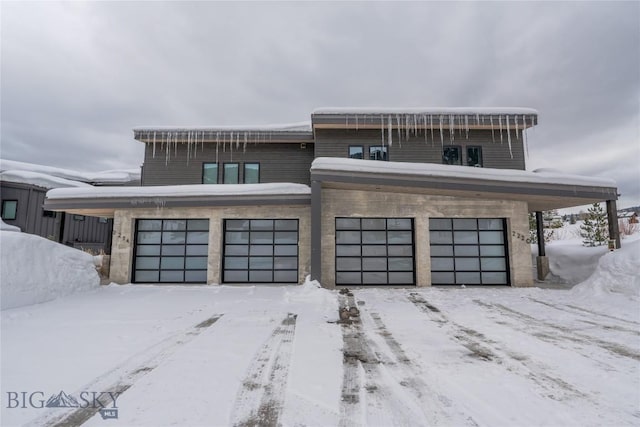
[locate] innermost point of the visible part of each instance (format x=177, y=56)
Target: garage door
x=171, y=251
x=260, y=251
x=468, y=251
x=374, y=251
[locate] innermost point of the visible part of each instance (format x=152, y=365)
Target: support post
x=316, y=231
x=612, y=219
x=542, y=262
x=540, y=234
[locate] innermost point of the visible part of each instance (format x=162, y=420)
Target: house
x=404, y=197
x=630, y=216
x=23, y=187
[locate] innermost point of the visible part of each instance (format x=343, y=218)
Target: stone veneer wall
x=359, y=203
x=124, y=228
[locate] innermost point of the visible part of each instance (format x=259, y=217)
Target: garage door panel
x=271, y=246
x=468, y=251
x=374, y=251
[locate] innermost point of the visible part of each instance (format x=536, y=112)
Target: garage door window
x=260, y=251
x=171, y=250
x=374, y=251
x=468, y=251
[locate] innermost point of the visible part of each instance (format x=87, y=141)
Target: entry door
x=468, y=251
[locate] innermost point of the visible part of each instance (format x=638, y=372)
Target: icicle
x=452, y=128
x=238, y=141
x=431, y=126
x=509, y=137
x=478, y=119
x=356, y=122
x=515, y=118
x=525, y=140
x=390, y=132
x=406, y=127
x=493, y=135
x=398, y=126
x=154, y=144
x=244, y=147
x=415, y=125
x=424, y=120
x=166, y=154
x=188, y=147
x=500, y=123
x=466, y=124
x=382, y=128
x=441, y=130
x=217, y=148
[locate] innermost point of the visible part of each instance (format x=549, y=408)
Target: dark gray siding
x=30, y=218
x=335, y=143
x=286, y=162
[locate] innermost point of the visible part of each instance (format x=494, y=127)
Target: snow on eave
x=39, y=179
x=177, y=191
x=115, y=176
x=426, y=110
x=329, y=164
x=288, y=127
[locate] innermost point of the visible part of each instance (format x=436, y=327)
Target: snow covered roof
x=116, y=176
x=288, y=127
x=39, y=179
x=192, y=190
x=102, y=201
x=543, y=190
x=427, y=110
x=451, y=171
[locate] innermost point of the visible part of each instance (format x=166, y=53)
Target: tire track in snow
x=377, y=390
x=589, y=314
x=491, y=351
x=565, y=332
x=260, y=400
x=118, y=380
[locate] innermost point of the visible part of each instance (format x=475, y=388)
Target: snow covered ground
x=220, y=355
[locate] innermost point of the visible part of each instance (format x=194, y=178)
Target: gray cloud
x=76, y=77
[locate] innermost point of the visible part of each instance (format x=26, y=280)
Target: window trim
x=355, y=146
x=385, y=150
x=459, y=147
x=224, y=167
x=15, y=211
x=480, y=157
x=244, y=172
x=217, y=171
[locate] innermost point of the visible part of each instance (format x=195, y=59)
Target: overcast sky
x=77, y=77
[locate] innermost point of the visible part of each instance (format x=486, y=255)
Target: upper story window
x=474, y=156
x=209, y=173
x=378, y=152
x=451, y=156
x=251, y=173
x=231, y=173
x=9, y=209
x=356, y=152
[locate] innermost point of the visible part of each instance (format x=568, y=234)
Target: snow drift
x=618, y=272
x=35, y=270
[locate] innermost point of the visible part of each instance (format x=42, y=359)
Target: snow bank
x=8, y=227
x=618, y=272
x=35, y=270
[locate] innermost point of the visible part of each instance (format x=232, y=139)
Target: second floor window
x=474, y=156
x=378, y=152
x=251, y=173
x=209, y=173
x=356, y=152
x=451, y=156
x=231, y=175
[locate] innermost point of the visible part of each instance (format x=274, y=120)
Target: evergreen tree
x=594, y=231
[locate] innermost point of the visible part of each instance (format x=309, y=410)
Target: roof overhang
x=424, y=118
x=539, y=196
x=103, y=202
